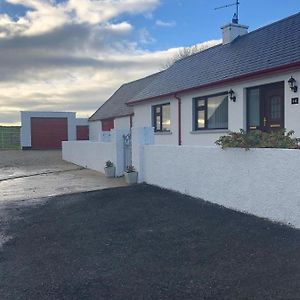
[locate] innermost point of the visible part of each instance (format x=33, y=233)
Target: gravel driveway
x=143, y=242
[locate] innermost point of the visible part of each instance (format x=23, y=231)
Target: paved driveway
x=26, y=175
x=142, y=242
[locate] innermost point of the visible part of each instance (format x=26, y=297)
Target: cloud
x=145, y=37
x=161, y=23
x=72, y=55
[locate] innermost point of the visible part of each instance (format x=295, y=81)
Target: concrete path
x=26, y=175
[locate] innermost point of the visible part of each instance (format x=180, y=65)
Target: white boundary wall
x=263, y=182
x=93, y=155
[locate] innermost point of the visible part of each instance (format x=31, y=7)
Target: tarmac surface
x=142, y=242
x=28, y=178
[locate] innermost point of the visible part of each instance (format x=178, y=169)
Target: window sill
x=163, y=133
x=210, y=131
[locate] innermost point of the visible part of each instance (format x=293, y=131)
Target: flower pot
x=110, y=172
x=131, y=178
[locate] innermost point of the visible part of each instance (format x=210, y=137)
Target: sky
x=71, y=55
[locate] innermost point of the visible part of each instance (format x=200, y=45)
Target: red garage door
x=82, y=132
x=48, y=133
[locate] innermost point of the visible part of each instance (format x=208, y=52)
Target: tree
x=188, y=51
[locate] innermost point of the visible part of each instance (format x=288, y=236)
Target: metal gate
x=127, y=150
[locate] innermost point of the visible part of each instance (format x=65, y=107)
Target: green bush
x=259, y=139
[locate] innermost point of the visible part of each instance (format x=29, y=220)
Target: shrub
x=259, y=139
x=109, y=164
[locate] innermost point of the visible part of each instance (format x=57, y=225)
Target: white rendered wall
x=82, y=122
x=122, y=123
x=92, y=155
x=143, y=118
x=95, y=130
x=236, y=111
x=263, y=182
x=292, y=112
x=26, y=124
x=95, y=127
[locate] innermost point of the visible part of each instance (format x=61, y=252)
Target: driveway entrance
x=35, y=174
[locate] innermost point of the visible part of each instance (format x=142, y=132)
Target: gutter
x=252, y=75
x=179, y=119
x=115, y=117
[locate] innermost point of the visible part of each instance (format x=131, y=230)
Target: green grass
x=10, y=137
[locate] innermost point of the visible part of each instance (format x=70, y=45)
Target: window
x=161, y=117
x=211, y=112
x=253, y=108
x=107, y=125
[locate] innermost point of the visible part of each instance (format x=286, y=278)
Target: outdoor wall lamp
x=292, y=84
x=232, y=95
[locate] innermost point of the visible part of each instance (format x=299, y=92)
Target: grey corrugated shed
x=116, y=105
x=269, y=47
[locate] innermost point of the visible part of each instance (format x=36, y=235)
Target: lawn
x=10, y=137
x=143, y=242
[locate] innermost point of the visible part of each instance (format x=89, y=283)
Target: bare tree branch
x=188, y=51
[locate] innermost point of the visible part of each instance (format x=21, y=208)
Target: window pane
x=201, y=103
x=217, y=112
x=201, y=119
x=157, y=123
x=275, y=108
x=166, y=120
x=253, y=108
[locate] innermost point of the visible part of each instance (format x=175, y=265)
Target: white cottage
x=247, y=82
x=115, y=113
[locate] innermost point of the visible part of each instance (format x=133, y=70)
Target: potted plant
x=131, y=175
x=109, y=169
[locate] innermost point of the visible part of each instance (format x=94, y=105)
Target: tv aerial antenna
x=235, y=18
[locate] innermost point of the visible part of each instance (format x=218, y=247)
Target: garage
x=42, y=130
x=48, y=133
x=46, y=130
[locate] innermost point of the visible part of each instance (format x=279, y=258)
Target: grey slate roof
x=269, y=47
x=116, y=105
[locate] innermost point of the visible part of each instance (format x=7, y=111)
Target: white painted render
x=26, y=124
x=231, y=31
x=236, y=111
x=82, y=122
x=263, y=182
x=122, y=122
x=94, y=155
x=143, y=118
x=95, y=129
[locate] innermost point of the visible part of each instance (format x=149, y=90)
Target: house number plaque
x=295, y=100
